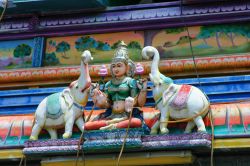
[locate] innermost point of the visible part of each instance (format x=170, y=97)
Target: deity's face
x=119, y=69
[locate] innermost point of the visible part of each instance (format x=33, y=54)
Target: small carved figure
x=175, y=101
x=121, y=95
x=65, y=108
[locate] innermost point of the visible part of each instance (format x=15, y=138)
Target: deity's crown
x=121, y=53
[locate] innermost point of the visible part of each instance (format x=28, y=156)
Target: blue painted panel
x=218, y=89
x=30, y=91
x=213, y=79
x=18, y=110
x=23, y=101
x=38, y=52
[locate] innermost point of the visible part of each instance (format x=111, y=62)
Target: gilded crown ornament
x=121, y=55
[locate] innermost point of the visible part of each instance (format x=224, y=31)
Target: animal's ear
x=67, y=97
x=165, y=97
x=167, y=94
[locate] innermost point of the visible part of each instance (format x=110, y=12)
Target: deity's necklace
x=118, y=81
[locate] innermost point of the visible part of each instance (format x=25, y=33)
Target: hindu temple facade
x=204, y=44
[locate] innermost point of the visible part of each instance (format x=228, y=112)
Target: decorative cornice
x=207, y=65
x=14, y=25
x=162, y=16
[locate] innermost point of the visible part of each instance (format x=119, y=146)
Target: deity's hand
x=129, y=104
x=99, y=98
x=94, y=89
x=95, y=86
x=142, y=84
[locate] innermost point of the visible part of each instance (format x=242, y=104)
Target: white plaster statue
x=175, y=101
x=65, y=108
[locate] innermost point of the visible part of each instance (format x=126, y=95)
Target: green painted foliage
x=115, y=45
x=175, y=30
x=51, y=59
x=85, y=42
x=134, y=44
x=62, y=47
x=22, y=50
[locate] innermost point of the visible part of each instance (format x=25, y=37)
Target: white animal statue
x=176, y=101
x=65, y=108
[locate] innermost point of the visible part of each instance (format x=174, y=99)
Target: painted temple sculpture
x=122, y=96
x=184, y=102
x=122, y=99
x=65, y=108
x=175, y=92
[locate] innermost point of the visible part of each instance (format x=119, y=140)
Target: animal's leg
x=164, y=122
x=68, y=127
x=52, y=133
x=155, y=127
x=189, y=127
x=80, y=124
x=35, y=131
x=39, y=121
x=200, y=124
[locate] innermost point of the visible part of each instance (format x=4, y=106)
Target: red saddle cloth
x=180, y=99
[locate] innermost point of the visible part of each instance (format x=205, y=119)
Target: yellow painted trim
x=232, y=143
x=11, y=153
x=146, y=158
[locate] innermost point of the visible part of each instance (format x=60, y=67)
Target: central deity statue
x=121, y=95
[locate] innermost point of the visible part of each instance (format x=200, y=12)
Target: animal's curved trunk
x=149, y=52
x=84, y=81
x=155, y=63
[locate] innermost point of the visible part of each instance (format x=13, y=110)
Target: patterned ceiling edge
x=170, y=16
x=169, y=67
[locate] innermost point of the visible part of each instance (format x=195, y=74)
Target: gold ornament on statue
x=121, y=55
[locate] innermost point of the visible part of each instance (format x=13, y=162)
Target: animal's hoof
x=66, y=135
x=33, y=138
x=202, y=129
x=187, y=131
x=164, y=131
x=153, y=132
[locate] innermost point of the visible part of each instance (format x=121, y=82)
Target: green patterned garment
x=120, y=91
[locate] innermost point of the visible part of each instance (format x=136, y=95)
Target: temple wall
x=205, y=45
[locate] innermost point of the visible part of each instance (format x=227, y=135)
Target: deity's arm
x=139, y=94
x=142, y=95
x=101, y=99
x=108, y=97
x=133, y=91
x=142, y=98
